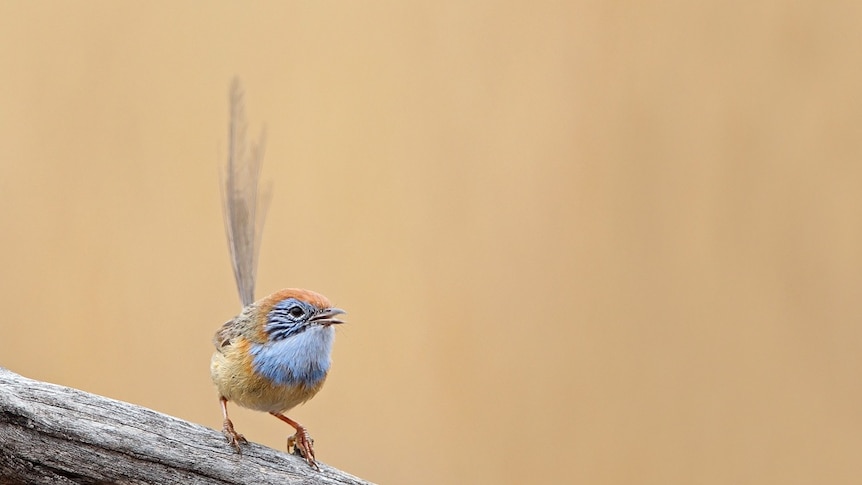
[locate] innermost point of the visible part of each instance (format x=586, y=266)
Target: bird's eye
x=296, y=312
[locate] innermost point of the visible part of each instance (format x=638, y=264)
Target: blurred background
x=584, y=242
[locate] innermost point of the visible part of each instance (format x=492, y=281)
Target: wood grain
x=59, y=435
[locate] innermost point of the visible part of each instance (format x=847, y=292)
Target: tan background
x=603, y=242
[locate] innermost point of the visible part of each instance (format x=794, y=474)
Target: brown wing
x=226, y=333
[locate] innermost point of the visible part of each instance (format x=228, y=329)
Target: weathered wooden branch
x=59, y=435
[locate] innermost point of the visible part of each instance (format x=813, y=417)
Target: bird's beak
x=327, y=317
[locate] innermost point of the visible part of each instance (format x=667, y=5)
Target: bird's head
x=293, y=311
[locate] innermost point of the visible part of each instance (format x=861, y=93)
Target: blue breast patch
x=303, y=358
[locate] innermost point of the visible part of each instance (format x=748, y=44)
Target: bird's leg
x=301, y=442
x=233, y=438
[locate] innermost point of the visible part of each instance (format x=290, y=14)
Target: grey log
x=59, y=435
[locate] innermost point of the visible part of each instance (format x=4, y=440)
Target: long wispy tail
x=244, y=211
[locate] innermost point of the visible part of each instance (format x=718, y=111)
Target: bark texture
x=59, y=435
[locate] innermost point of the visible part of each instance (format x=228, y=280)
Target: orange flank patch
x=242, y=347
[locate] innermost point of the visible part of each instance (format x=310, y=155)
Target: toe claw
x=233, y=438
x=301, y=442
x=303, y=445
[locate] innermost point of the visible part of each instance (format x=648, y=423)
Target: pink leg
x=233, y=438
x=301, y=442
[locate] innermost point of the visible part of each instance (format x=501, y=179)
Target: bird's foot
x=233, y=438
x=303, y=445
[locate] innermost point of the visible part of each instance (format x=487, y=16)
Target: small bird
x=275, y=354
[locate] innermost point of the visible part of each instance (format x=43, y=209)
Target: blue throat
x=301, y=359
